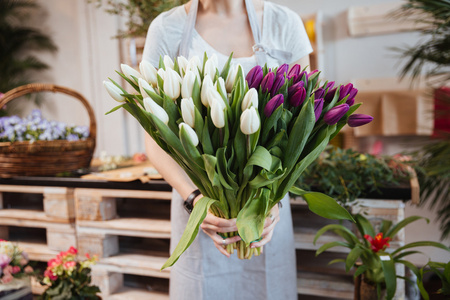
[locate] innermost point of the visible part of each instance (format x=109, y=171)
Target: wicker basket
x=46, y=158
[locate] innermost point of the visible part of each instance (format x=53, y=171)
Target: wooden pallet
x=338, y=287
x=57, y=202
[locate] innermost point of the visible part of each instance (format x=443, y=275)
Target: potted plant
x=15, y=271
x=442, y=270
x=370, y=254
x=69, y=278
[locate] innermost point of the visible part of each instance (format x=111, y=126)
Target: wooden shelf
x=37, y=251
x=126, y=293
x=30, y=218
x=340, y=287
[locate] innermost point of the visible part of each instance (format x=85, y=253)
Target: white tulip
x=182, y=64
x=144, y=85
x=217, y=114
x=231, y=77
x=168, y=62
x=194, y=63
x=188, y=84
x=206, y=85
x=149, y=72
x=220, y=84
x=152, y=107
x=211, y=67
x=129, y=71
x=192, y=135
x=250, y=121
x=188, y=111
x=213, y=96
x=114, y=91
x=172, y=84
x=250, y=99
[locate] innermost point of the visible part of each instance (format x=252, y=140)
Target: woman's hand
x=269, y=225
x=212, y=225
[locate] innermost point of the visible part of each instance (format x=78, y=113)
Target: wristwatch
x=189, y=202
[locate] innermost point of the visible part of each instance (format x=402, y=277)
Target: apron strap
x=259, y=49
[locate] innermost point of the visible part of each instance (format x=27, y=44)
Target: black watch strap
x=189, y=202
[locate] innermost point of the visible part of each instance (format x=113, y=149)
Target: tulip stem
x=220, y=137
x=248, y=147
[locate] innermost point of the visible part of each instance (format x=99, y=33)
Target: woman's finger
x=264, y=240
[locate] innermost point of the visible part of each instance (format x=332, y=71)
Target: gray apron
x=202, y=272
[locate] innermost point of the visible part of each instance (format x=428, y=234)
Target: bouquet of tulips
x=243, y=140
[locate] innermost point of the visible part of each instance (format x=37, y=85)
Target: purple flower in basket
x=273, y=104
x=254, y=77
x=335, y=114
x=73, y=137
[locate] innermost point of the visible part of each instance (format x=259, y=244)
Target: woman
x=220, y=27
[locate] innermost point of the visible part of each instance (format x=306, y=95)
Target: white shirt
x=281, y=29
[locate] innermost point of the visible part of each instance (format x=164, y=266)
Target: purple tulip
x=352, y=93
x=282, y=69
x=294, y=71
x=344, y=91
x=300, y=76
x=294, y=88
x=273, y=104
x=277, y=84
x=254, y=77
x=335, y=114
x=330, y=95
x=318, y=107
x=298, y=97
x=356, y=120
x=319, y=93
x=350, y=102
x=330, y=85
x=267, y=82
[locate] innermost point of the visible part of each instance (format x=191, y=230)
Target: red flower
x=48, y=273
x=378, y=243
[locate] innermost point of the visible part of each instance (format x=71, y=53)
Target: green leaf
x=261, y=158
x=226, y=67
x=115, y=108
x=421, y=244
x=385, y=225
x=132, y=83
x=197, y=216
x=337, y=260
x=361, y=269
x=389, y=274
x=326, y=207
x=397, y=227
x=342, y=231
x=331, y=245
x=364, y=226
x=190, y=149
x=210, y=167
x=352, y=257
x=250, y=220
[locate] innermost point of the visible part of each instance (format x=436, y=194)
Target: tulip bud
x=194, y=63
x=149, y=72
x=144, y=85
x=250, y=121
x=350, y=102
x=267, y=82
x=188, y=111
x=294, y=71
x=282, y=69
x=330, y=85
x=294, y=88
x=188, y=84
x=157, y=110
x=231, y=78
x=192, y=135
x=182, y=64
x=250, y=99
x=344, y=90
x=161, y=73
x=273, y=104
x=206, y=85
x=114, y=91
x=312, y=73
x=319, y=93
x=211, y=67
x=351, y=96
x=298, y=98
x=356, y=120
x=220, y=84
x=335, y=114
x=168, y=62
x=214, y=96
x=217, y=114
x=277, y=84
x=129, y=71
x=300, y=76
x=318, y=107
x=254, y=77
x=172, y=84
x=330, y=95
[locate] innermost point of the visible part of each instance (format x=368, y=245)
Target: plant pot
x=365, y=290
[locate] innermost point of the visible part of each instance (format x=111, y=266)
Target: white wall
x=87, y=55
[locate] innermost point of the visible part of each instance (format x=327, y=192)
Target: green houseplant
x=19, y=43
x=369, y=248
